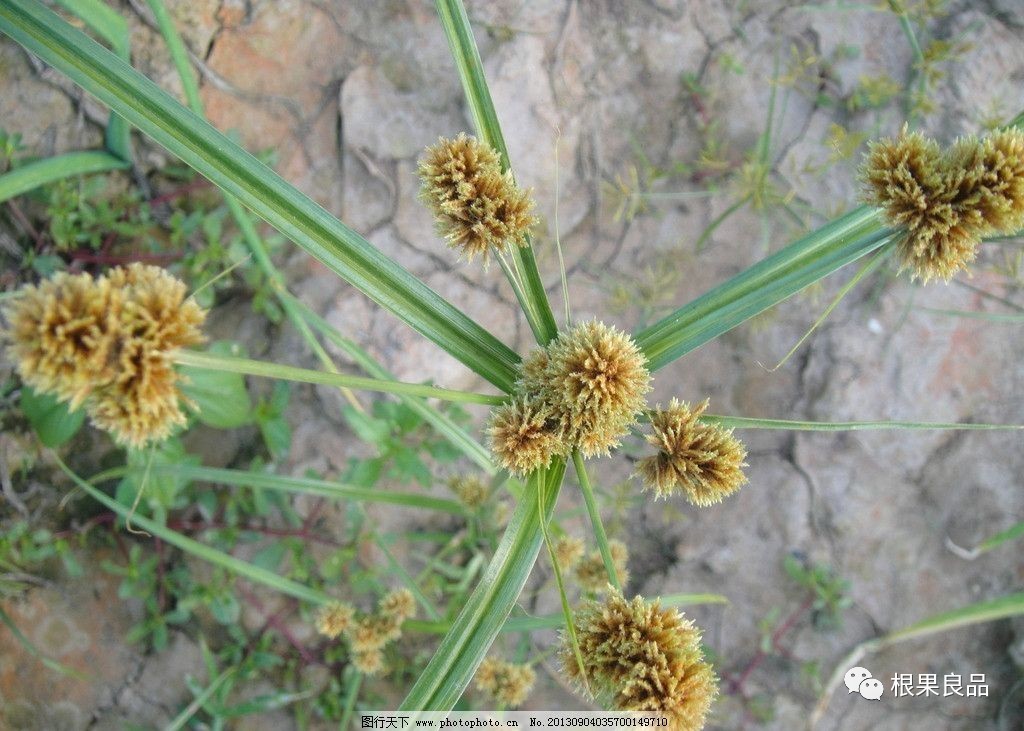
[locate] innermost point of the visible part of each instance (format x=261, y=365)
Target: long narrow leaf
x=533, y=299
x=50, y=169
x=464, y=646
x=227, y=165
x=743, y=422
x=304, y=485
x=763, y=285
x=985, y=611
x=105, y=22
x=199, y=550
x=269, y=369
x=444, y=425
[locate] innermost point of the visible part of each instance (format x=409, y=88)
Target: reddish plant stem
x=275, y=622
x=178, y=192
x=736, y=684
x=23, y=221
x=185, y=526
x=161, y=596
x=87, y=257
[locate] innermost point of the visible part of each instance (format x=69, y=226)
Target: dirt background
x=346, y=94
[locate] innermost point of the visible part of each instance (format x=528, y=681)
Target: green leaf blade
x=228, y=166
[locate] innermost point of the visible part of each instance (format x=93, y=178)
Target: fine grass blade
x=986, y=611
x=444, y=425
x=1004, y=318
x=532, y=298
x=989, y=544
x=198, y=550
x=269, y=369
x=763, y=285
x=31, y=649
x=50, y=169
x=228, y=166
x=465, y=644
x=557, y=621
x=303, y=485
x=744, y=422
x=105, y=22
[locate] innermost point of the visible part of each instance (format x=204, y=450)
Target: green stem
x=595, y=520
x=38, y=173
x=743, y=422
x=532, y=297
x=266, y=369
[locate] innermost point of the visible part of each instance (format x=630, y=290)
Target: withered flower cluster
x=702, y=461
x=947, y=200
x=507, y=683
x=641, y=657
x=479, y=209
x=583, y=391
x=106, y=343
x=369, y=634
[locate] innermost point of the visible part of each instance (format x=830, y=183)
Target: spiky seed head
x=524, y=435
x=470, y=490
x=909, y=179
x=371, y=632
x=509, y=684
x=985, y=178
x=108, y=343
x=642, y=657
x=63, y=334
x=568, y=551
x=704, y=462
x=334, y=619
x=398, y=605
x=479, y=209
x=592, y=574
x=369, y=662
x=596, y=380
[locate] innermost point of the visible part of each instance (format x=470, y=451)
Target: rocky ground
x=346, y=94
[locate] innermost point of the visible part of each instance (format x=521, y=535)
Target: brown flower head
x=947, y=200
x=568, y=551
x=591, y=572
x=641, y=657
x=371, y=632
x=369, y=662
x=596, y=379
x=703, y=461
x=63, y=333
x=985, y=180
x=907, y=178
x=507, y=683
x=143, y=403
x=398, y=605
x=479, y=208
x=334, y=619
x=524, y=436
x=108, y=343
x=470, y=490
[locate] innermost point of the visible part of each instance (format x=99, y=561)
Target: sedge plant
x=119, y=347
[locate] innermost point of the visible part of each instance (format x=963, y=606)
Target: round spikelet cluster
x=479, y=209
x=946, y=200
x=641, y=657
x=369, y=634
x=704, y=462
x=507, y=683
x=107, y=343
x=568, y=551
x=592, y=574
x=583, y=391
x=470, y=490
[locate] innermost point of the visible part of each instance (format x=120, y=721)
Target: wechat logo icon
x=859, y=680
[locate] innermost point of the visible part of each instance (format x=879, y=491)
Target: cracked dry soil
x=347, y=94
